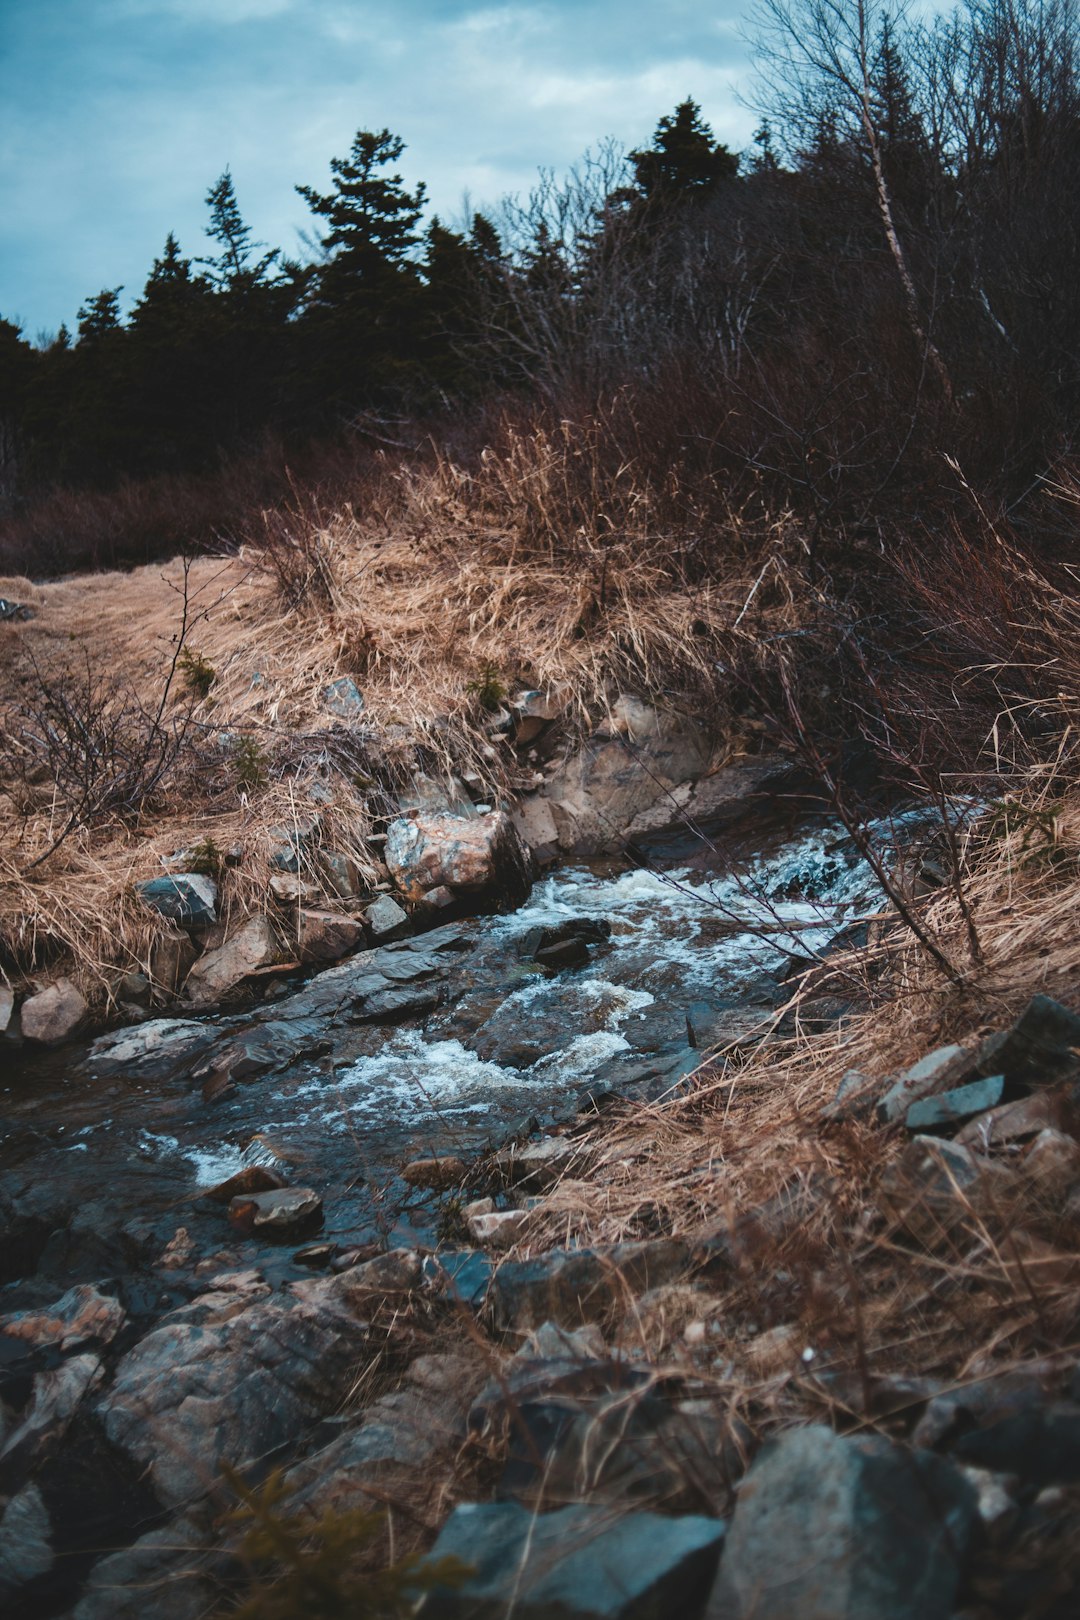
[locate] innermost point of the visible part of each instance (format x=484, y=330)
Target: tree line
x=887, y=282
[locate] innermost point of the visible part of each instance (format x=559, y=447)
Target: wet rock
x=262, y=1049
x=25, y=1540
x=189, y=1397
x=169, y=1573
x=948, y=1067
x=55, y=1398
x=7, y=1007
x=326, y=936
x=853, y=1528
x=435, y=1173
x=538, y=1164
x=82, y=1316
x=1041, y=1047
x=936, y=1189
x=157, y=1050
x=462, y=1274
x=386, y=919
x=398, y=1271
x=253, y=945
x=953, y=1107
x=278, y=1213
x=171, y=956
x=254, y=1178
x=572, y=1286
x=178, y=1253
x=184, y=897
x=380, y=986
x=579, y=1563
x=532, y=712
x=54, y=1014
x=481, y=857
x=535, y=821
x=343, y=698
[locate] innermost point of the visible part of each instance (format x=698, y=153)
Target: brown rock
x=54, y=1014
x=1012, y=1121
x=7, y=1006
x=500, y=1228
x=1052, y=1165
x=290, y=889
x=171, y=956
x=474, y=855
x=81, y=1316
x=324, y=936
x=936, y=1190
x=254, y=1178
x=282, y=1210
x=252, y=946
x=435, y=1173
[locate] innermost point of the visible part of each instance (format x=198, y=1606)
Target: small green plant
x=206, y=858
x=250, y=760
x=488, y=688
x=198, y=672
x=309, y=1568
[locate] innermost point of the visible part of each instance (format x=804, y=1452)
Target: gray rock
x=341, y=873
x=856, y=1097
x=532, y=712
x=1040, y=1444
x=386, y=919
x=7, y=1006
x=54, y=1400
x=167, y=1573
x=942, y=1070
x=184, y=897
x=25, y=1541
x=189, y=1397
x=937, y=1188
x=382, y=985
x=289, y=847
x=581, y=1563
x=82, y=1316
x=571, y=1286
x=343, y=698
x=252, y=946
x=14, y=610
x=171, y=956
x=952, y=1107
x=263, y=1048
x=54, y=1014
x=1039, y=1048
x=154, y=1051
x=276, y=1213
x=134, y=988
x=483, y=856
x=853, y=1528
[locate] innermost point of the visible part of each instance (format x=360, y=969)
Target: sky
x=116, y=116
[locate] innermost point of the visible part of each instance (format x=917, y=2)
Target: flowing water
x=120, y=1162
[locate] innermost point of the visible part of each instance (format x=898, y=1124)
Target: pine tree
x=685, y=159
x=99, y=316
x=231, y=270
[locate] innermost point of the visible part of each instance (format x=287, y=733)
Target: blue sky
x=117, y=115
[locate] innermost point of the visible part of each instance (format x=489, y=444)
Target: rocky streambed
x=210, y=1221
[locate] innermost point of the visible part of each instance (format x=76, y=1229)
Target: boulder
x=190, y=1396
x=252, y=946
x=498, y=1228
x=538, y=829
x=261, y=1049
x=341, y=873
x=82, y=1316
x=290, y=890
x=948, y=1067
x=580, y=1563
x=289, y=847
x=55, y=1398
x=531, y=712
x=54, y=1014
x=25, y=1538
x=386, y=920
x=572, y=1286
x=189, y=898
x=435, y=1173
x=169, y=1573
x=152, y=1051
x=326, y=936
x=937, y=1189
x=171, y=956
x=852, y=1528
x=343, y=698
x=7, y=1006
x=1042, y=1046
x=482, y=857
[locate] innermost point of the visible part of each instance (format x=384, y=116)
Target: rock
x=25, y=1538
x=853, y=1528
x=481, y=857
x=134, y=989
x=184, y=897
x=291, y=890
x=252, y=946
x=578, y=1564
x=341, y=873
x=289, y=846
x=498, y=1228
x=539, y=1164
x=936, y=1189
x=254, y=1178
x=82, y=1316
x=1051, y=1165
x=277, y=1213
x=1012, y=1121
x=1041, y=1444
x=260, y=1049
x=343, y=698
x=535, y=821
x=439, y=900
x=857, y=1097
x=157, y=1050
x=398, y=1271
x=952, y=1107
x=171, y=956
x=14, y=610
x=325, y=936
x=435, y=1173
x=56, y=1396
x=531, y=713
x=54, y=1014
x=1041, y=1047
x=189, y=1397
x=7, y=1006
x=168, y=1573
x=942, y=1070
x=386, y=920
x=572, y=1286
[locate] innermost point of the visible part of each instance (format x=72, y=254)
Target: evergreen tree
x=232, y=270
x=99, y=316
x=685, y=159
